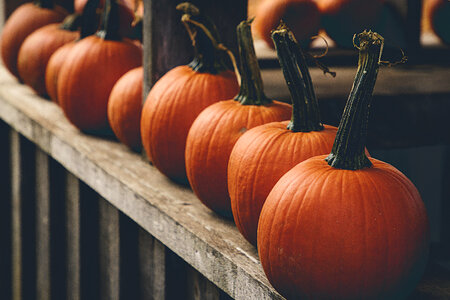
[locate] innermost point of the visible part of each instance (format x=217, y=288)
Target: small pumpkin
x=265, y=153
x=125, y=106
x=91, y=69
x=342, y=18
x=302, y=16
x=218, y=127
x=38, y=47
x=22, y=22
x=345, y=226
x=88, y=26
x=180, y=95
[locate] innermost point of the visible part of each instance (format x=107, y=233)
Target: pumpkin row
x=329, y=221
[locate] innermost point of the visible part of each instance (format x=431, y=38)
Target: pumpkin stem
x=205, y=38
x=305, y=108
x=252, y=89
x=71, y=22
x=109, y=29
x=44, y=3
x=89, y=21
x=348, y=150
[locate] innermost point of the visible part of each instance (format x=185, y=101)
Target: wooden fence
x=83, y=217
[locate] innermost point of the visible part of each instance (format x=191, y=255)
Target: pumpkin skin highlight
x=52, y=71
x=211, y=139
x=259, y=159
x=22, y=22
x=125, y=106
x=36, y=51
x=171, y=107
x=83, y=96
x=302, y=16
x=350, y=234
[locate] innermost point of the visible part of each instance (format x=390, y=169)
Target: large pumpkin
x=22, y=22
x=89, y=25
x=38, y=47
x=178, y=97
x=345, y=226
x=216, y=130
x=265, y=153
x=125, y=106
x=91, y=69
x=302, y=16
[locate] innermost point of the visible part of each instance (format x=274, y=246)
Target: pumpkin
x=440, y=20
x=179, y=96
x=302, y=16
x=90, y=71
x=22, y=22
x=125, y=106
x=218, y=127
x=37, y=48
x=345, y=226
x=89, y=25
x=265, y=153
x=342, y=18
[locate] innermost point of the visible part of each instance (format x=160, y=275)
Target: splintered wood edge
x=169, y=212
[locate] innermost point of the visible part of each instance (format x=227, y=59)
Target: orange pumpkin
x=342, y=18
x=91, y=69
x=178, y=97
x=265, y=153
x=22, y=22
x=125, y=106
x=216, y=130
x=37, y=48
x=302, y=16
x=88, y=27
x=345, y=226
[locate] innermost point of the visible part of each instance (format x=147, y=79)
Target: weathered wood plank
x=5, y=212
x=109, y=256
x=161, y=20
x=200, y=288
x=23, y=217
x=152, y=267
x=82, y=240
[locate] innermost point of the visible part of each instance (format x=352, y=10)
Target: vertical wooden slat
x=109, y=243
x=5, y=212
x=166, y=42
x=43, y=259
x=200, y=288
x=129, y=258
x=23, y=217
x=82, y=240
x=152, y=258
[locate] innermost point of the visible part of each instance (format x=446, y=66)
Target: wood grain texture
x=169, y=212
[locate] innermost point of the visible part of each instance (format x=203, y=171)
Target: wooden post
x=166, y=42
x=5, y=212
x=23, y=217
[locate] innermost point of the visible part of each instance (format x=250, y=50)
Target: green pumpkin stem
x=71, y=22
x=44, y=4
x=109, y=28
x=348, y=150
x=305, y=108
x=209, y=52
x=252, y=89
x=89, y=20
